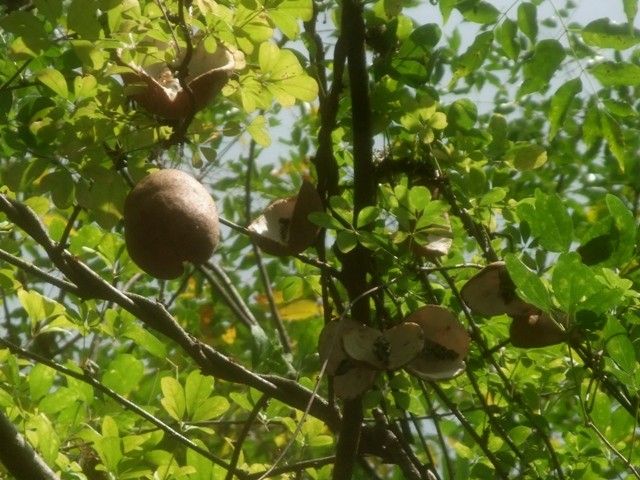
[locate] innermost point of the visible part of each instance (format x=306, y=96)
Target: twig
x=616, y=452
x=62, y=242
x=264, y=275
x=15, y=75
x=32, y=269
x=260, y=404
x=497, y=464
x=294, y=467
x=223, y=287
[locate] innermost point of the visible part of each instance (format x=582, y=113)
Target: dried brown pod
x=535, y=330
x=284, y=227
x=161, y=93
x=491, y=292
x=446, y=344
x=169, y=218
x=388, y=350
x=355, y=381
x=330, y=344
x=349, y=378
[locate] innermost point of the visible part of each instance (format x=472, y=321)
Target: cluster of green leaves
x=492, y=129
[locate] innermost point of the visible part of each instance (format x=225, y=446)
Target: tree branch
x=19, y=457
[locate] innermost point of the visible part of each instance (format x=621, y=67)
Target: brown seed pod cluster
x=155, y=87
x=429, y=343
x=170, y=218
x=491, y=292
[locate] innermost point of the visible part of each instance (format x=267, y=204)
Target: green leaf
x=616, y=74
x=528, y=20
x=324, y=220
x=462, y=114
x=619, y=108
x=41, y=379
x=495, y=195
x=419, y=197
x=507, y=37
x=549, y=221
x=526, y=156
x=288, y=13
x=123, y=374
x=572, y=281
x=40, y=308
x=478, y=12
x=53, y=79
x=538, y=70
x=346, y=240
x=145, y=340
x=619, y=346
x=529, y=285
x=108, y=446
x=284, y=77
x=560, y=103
x=604, y=34
x=209, y=408
x=473, y=58
x=258, y=131
x=367, y=215
x=630, y=10
x=197, y=389
x=85, y=86
x=173, y=399
x=412, y=61
x=612, y=133
x=591, y=131
x=625, y=226
x=83, y=19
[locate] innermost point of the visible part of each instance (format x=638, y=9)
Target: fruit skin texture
x=169, y=218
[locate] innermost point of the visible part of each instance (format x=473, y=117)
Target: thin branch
x=497, y=464
x=237, y=450
x=222, y=285
x=17, y=455
x=264, y=275
x=294, y=467
x=33, y=270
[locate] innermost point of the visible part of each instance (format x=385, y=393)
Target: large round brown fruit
x=169, y=218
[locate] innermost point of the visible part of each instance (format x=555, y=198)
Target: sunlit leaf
x=538, y=70
x=560, y=103
x=604, y=34
x=528, y=20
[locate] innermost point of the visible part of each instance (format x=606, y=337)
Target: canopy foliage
x=440, y=136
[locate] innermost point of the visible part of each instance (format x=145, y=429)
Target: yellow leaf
x=299, y=310
x=229, y=337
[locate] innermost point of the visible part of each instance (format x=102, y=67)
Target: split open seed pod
x=169, y=218
x=330, y=343
x=154, y=86
x=491, y=292
x=284, y=227
x=355, y=381
x=535, y=330
x=388, y=350
x=350, y=379
x=446, y=344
